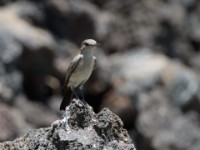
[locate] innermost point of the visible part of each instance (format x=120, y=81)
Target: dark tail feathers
x=66, y=99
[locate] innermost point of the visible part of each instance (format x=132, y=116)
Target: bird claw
x=83, y=102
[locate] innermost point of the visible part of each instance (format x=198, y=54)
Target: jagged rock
x=120, y=105
x=79, y=128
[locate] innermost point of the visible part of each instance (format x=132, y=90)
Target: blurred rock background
x=148, y=65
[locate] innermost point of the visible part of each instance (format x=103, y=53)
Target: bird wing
x=95, y=63
x=71, y=68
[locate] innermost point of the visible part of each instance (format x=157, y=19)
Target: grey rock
x=28, y=11
x=195, y=62
x=131, y=69
x=35, y=114
x=156, y=24
x=24, y=33
x=37, y=68
x=164, y=126
x=79, y=128
x=182, y=86
x=62, y=16
x=120, y=105
x=134, y=72
x=7, y=125
x=9, y=48
x=12, y=123
x=10, y=85
x=183, y=90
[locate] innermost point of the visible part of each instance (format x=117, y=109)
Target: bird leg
x=74, y=92
x=82, y=94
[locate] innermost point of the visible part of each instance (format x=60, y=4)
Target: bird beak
x=97, y=44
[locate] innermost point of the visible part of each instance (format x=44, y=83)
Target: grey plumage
x=79, y=70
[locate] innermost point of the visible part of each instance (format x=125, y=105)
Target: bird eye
x=86, y=44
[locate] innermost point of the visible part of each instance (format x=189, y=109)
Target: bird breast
x=82, y=72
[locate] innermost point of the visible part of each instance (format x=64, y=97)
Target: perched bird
x=79, y=71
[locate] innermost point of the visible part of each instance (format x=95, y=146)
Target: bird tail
x=66, y=99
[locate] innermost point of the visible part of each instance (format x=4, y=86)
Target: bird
x=79, y=72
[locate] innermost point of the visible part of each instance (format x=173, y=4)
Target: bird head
x=89, y=44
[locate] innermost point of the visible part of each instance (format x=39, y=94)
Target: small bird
x=79, y=72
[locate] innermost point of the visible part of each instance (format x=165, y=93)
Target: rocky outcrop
x=79, y=128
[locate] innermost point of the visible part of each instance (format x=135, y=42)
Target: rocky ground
x=148, y=70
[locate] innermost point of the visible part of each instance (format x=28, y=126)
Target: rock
x=195, y=61
x=34, y=113
x=19, y=39
x=120, y=105
x=67, y=19
x=28, y=11
x=79, y=128
x=129, y=70
x=134, y=72
x=9, y=48
x=24, y=33
x=7, y=126
x=164, y=126
x=10, y=85
x=36, y=67
x=12, y=123
x=182, y=86
x=155, y=24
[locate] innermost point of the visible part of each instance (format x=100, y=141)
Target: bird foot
x=83, y=101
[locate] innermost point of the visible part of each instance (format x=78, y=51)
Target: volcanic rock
x=79, y=128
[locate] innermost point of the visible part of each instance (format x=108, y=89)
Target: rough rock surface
x=79, y=128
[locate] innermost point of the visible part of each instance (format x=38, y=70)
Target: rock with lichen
x=79, y=128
